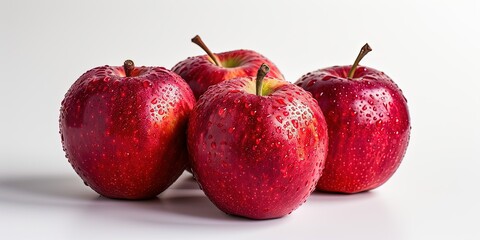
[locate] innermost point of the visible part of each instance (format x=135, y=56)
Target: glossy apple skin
x=125, y=136
x=368, y=126
x=200, y=72
x=258, y=157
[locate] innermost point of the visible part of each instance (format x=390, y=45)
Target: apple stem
x=197, y=40
x=365, y=49
x=262, y=72
x=128, y=66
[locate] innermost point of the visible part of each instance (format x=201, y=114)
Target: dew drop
x=147, y=83
x=326, y=78
x=279, y=119
x=278, y=129
x=295, y=123
x=221, y=112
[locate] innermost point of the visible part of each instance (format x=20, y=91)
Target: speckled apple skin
x=368, y=125
x=125, y=136
x=200, y=72
x=258, y=157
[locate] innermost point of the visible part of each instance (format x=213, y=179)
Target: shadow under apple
x=56, y=190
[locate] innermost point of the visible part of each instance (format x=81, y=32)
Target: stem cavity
x=365, y=49
x=197, y=40
x=262, y=72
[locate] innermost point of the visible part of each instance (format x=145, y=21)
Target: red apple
x=257, y=147
x=368, y=125
x=200, y=72
x=123, y=129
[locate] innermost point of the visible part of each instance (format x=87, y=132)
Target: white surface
x=430, y=48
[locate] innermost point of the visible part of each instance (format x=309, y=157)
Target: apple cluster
x=257, y=144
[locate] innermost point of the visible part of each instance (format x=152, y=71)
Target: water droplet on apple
x=278, y=129
x=221, y=112
x=281, y=101
x=327, y=77
x=294, y=123
x=213, y=145
x=234, y=91
x=285, y=113
x=279, y=119
x=147, y=84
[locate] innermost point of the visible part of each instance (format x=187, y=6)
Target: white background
x=430, y=49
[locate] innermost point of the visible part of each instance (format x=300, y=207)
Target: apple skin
x=368, y=126
x=200, y=72
x=125, y=136
x=257, y=157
